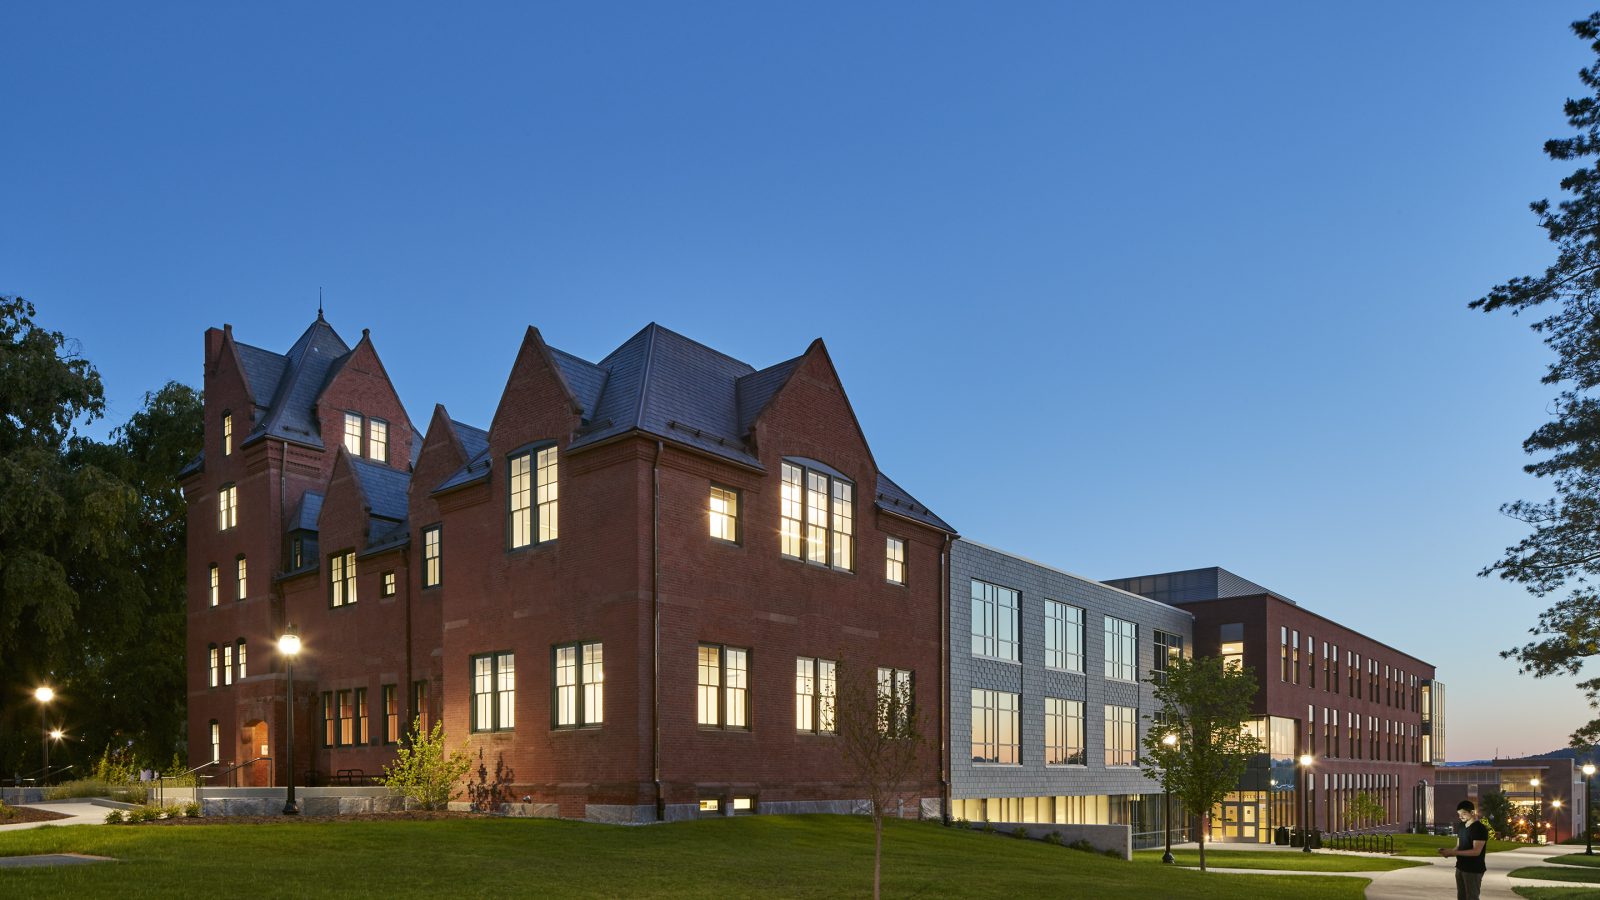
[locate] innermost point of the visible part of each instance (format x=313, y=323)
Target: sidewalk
x=78, y=812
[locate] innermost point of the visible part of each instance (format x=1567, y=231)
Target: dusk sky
x=1124, y=290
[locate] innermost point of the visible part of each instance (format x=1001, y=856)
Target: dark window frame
x=738, y=514
x=388, y=584
x=494, y=693
x=722, y=688
x=347, y=580
x=436, y=562
x=390, y=697
x=580, y=703
x=531, y=451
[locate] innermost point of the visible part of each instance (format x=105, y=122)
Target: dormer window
x=378, y=440
x=227, y=434
x=533, y=497
x=817, y=515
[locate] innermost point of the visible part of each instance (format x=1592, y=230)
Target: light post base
x=291, y=808
x=1167, y=858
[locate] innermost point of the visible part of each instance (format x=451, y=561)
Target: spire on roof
x=319, y=304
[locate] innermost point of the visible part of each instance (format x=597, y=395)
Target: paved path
x=78, y=812
x=1437, y=879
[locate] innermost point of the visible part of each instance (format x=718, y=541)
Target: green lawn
x=1553, y=893
x=1428, y=845
x=778, y=856
x=1279, y=859
x=1576, y=859
x=1558, y=873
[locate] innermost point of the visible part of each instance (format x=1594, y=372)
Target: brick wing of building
x=634, y=596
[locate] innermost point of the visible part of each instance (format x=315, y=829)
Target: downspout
x=944, y=668
x=411, y=714
x=655, y=618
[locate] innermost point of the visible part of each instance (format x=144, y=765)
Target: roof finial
x=319, y=304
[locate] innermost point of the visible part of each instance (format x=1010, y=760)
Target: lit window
x=420, y=711
x=895, y=560
x=994, y=621
x=241, y=580
x=1064, y=732
x=533, y=483
x=297, y=553
x=1167, y=648
x=827, y=504
x=215, y=657
x=725, y=514
x=216, y=741
x=227, y=507
x=711, y=806
x=494, y=692
x=227, y=434
x=345, y=735
x=432, y=564
x=388, y=588
x=995, y=727
x=723, y=682
x=342, y=578
x=391, y=714
x=378, y=440
x=239, y=655
x=361, y=731
x=580, y=685
x=1122, y=735
x=1122, y=650
x=1063, y=636
x=216, y=584
x=352, y=433
x=329, y=722
x=1233, y=655
x=815, y=695
x=227, y=664
x=744, y=805
x=895, y=701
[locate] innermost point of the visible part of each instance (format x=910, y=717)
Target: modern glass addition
x=994, y=621
x=723, y=687
x=816, y=517
x=815, y=695
x=494, y=692
x=1063, y=636
x=1064, y=733
x=579, y=685
x=996, y=731
x=724, y=514
x=1122, y=650
x=1168, y=646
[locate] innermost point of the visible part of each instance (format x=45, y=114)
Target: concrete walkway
x=83, y=811
x=1436, y=879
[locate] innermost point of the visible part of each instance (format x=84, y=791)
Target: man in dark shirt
x=1472, y=839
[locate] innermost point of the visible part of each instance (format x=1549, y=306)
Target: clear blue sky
x=1125, y=290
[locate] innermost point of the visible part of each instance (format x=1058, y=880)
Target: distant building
x=1371, y=716
x=1539, y=788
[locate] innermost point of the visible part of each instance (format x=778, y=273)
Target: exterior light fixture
x=289, y=646
x=1305, y=805
x=1170, y=741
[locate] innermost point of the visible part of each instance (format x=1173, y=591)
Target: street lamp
x=44, y=694
x=289, y=646
x=1556, y=819
x=1305, y=805
x=1589, y=831
x=1171, y=742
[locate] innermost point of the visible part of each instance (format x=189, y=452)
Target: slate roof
x=385, y=488
x=664, y=384
x=291, y=414
x=305, y=518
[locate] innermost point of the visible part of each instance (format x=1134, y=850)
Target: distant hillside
x=1563, y=753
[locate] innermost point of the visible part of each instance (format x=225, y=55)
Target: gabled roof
x=305, y=517
x=754, y=391
x=384, y=488
x=893, y=498
x=291, y=411
x=263, y=369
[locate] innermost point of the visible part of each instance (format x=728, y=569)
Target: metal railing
x=161, y=782
x=234, y=781
x=1360, y=842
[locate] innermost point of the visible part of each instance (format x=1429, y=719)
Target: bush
x=92, y=787
x=191, y=810
x=114, y=817
x=1019, y=832
x=1053, y=837
x=6, y=812
x=1083, y=845
x=422, y=773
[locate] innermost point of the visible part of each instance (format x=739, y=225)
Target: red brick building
x=1364, y=711
x=633, y=595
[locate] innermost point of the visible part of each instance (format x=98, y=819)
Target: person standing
x=1472, y=841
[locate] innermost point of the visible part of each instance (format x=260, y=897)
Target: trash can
x=1316, y=839
x=1280, y=836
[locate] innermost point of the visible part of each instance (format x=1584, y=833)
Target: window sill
x=1079, y=672
x=999, y=659
x=576, y=729
x=532, y=548
x=998, y=765
x=719, y=729
x=1066, y=765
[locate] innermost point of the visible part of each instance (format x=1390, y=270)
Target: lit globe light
x=1588, y=769
x=1556, y=803
x=289, y=644
x=44, y=694
x=1305, y=759
x=55, y=734
x=1170, y=740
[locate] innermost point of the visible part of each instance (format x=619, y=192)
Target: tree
x=1496, y=809
x=422, y=772
x=1561, y=554
x=1205, y=704
x=881, y=739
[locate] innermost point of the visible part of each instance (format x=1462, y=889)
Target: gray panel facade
x=1032, y=681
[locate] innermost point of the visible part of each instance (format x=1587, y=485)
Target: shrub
x=92, y=787
x=114, y=817
x=1083, y=845
x=423, y=773
x=1053, y=837
x=191, y=810
x=1019, y=832
x=6, y=812
x=145, y=813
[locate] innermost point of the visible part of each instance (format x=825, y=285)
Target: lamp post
x=1171, y=741
x=289, y=646
x=1556, y=819
x=1588, y=796
x=44, y=694
x=1305, y=805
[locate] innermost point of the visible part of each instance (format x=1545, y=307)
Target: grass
x=1293, y=860
x=1555, y=893
x=1575, y=859
x=1428, y=844
x=778, y=856
x=1578, y=874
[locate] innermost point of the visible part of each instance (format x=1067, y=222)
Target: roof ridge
x=644, y=373
x=704, y=346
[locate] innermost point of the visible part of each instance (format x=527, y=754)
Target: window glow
x=352, y=433
x=1122, y=650
x=227, y=434
x=1122, y=735
x=995, y=727
x=724, y=514
x=1064, y=732
x=895, y=560
x=378, y=440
